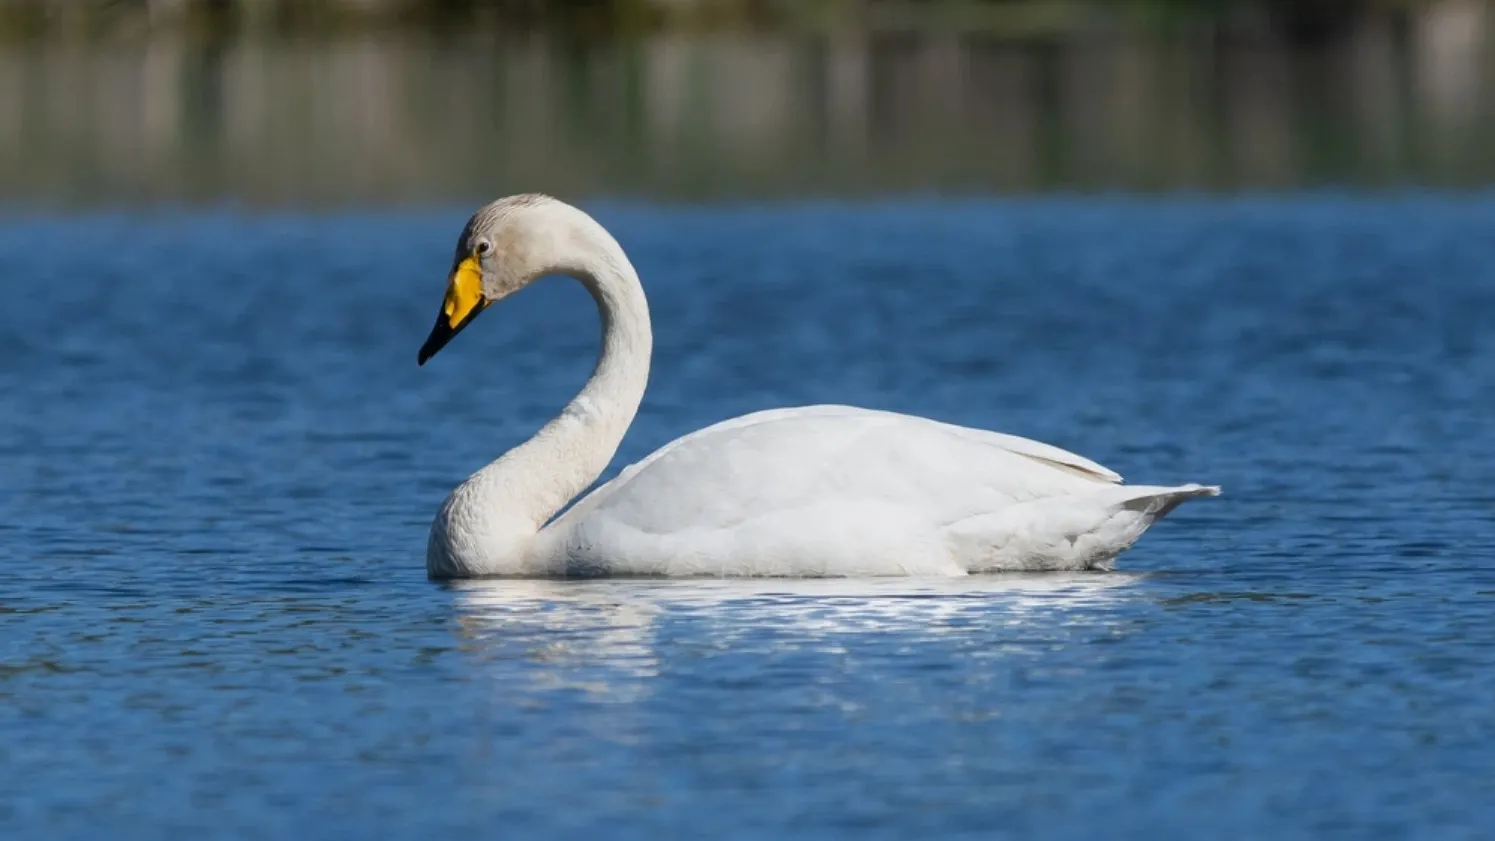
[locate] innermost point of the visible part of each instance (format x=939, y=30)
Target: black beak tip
x=440, y=335
x=443, y=332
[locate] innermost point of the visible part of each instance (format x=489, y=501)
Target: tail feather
x=1086, y=531
x=1157, y=501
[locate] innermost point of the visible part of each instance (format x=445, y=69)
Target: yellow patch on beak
x=464, y=293
x=464, y=300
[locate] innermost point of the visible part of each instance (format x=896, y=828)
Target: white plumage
x=810, y=491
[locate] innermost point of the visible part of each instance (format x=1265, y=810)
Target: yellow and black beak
x=464, y=300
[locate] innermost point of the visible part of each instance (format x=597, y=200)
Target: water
x=218, y=461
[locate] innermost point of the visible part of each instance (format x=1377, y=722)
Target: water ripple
x=219, y=463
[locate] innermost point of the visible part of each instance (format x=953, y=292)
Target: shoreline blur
x=1296, y=19
x=395, y=115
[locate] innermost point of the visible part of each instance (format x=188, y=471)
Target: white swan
x=812, y=491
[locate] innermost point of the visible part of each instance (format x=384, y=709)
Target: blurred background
x=348, y=101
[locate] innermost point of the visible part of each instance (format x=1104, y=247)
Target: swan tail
x=1156, y=502
x=1128, y=518
x=1066, y=532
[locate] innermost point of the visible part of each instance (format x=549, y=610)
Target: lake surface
x=218, y=461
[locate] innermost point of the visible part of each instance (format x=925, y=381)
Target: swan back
x=786, y=458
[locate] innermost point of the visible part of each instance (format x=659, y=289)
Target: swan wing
x=796, y=458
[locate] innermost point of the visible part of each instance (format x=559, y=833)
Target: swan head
x=505, y=245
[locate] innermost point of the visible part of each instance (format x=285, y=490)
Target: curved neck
x=573, y=449
x=501, y=506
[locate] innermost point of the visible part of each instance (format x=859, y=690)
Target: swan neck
x=521, y=491
x=591, y=427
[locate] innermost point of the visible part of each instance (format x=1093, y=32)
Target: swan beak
x=464, y=300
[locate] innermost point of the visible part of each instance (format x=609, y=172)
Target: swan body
x=807, y=491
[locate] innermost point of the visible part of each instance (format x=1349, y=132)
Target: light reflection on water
x=594, y=628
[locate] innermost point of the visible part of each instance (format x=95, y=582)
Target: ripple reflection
x=605, y=636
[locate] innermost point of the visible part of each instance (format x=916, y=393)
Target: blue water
x=218, y=461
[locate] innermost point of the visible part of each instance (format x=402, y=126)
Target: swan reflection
x=609, y=636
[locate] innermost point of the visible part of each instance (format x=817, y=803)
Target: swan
x=810, y=491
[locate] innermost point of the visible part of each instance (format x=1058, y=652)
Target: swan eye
x=484, y=246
